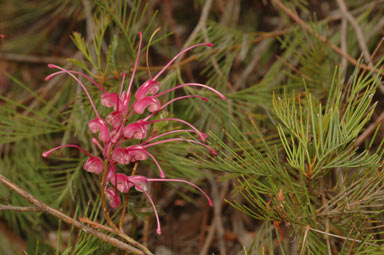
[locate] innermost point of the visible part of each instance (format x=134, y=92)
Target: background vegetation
x=299, y=169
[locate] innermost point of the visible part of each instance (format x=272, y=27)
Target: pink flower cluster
x=115, y=130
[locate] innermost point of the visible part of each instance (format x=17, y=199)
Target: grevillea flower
x=116, y=132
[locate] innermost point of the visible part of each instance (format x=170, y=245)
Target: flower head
x=116, y=132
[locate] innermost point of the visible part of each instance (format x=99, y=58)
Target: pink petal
x=150, y=87
x=121, y=155
x=94, y=165
x=148, y=101
x=138, y=154
x=114, y=119
x=111, y=174
x=113, y=197
x=140, y=182
x=137, y=130
x=99, y=125
x=116, y=135
x=123, y=183
x=110, y=99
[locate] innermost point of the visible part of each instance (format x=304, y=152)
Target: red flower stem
x=178, y=55
x=191, y=85
x=178, y=120
x=135, y=66
x=181, y=139
x=171, y=101
x=168, y=133
x=121, y=91
x=184, y=181
x=80, y=83
x=46, y=154
x=161, y=172
x=79, y=73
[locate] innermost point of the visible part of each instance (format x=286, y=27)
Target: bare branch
x=359, y=34
x=18, y=208
x=323, y=39
x=50, y=210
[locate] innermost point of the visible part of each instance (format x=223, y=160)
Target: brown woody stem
x=50, y=210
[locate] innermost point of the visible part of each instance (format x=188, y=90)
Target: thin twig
x=217, y=224
x=324, y=201
x=323, y=39
x=367, y=132
x=203, y=227
x=256, y=56
x=376, y=29
x=209, y=239
x=215, y=64
x=343, y=39
x=217, y=202
x=307, y=228
x=14, y=57
x=342, y=237
x=18, y=208
x=86, y=220
x=378, y=46
x=50, y=210
x=202, y=21
x=293, y=68
x=359, y=34
x=172, y=22
x=146, y=229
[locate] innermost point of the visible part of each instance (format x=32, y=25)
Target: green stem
x=102, y=193
x=126, y=200
x=106, y=213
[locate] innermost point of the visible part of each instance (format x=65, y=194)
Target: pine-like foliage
x=313, y=176
x=291, y=134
